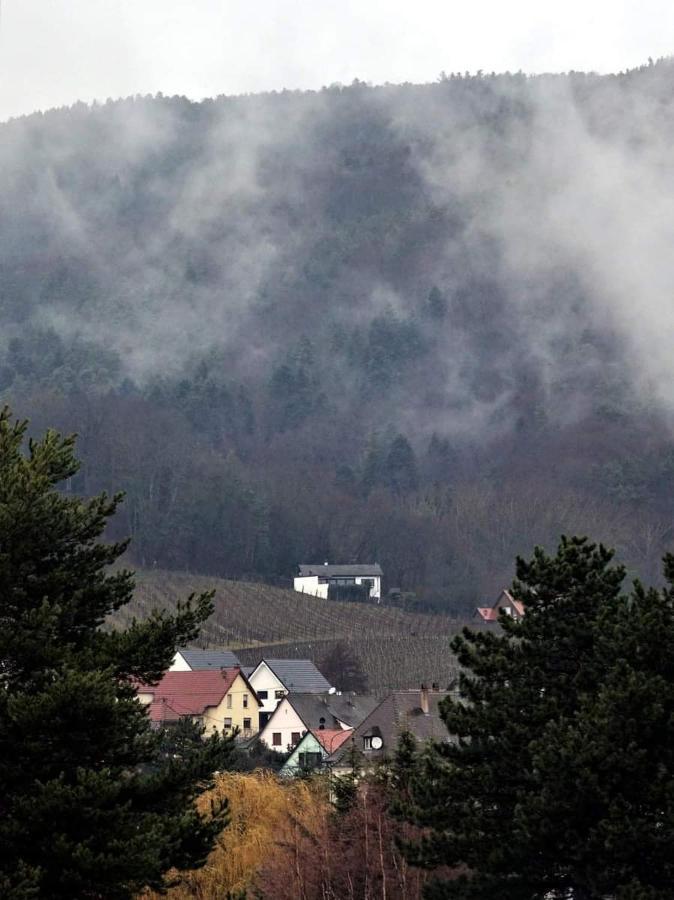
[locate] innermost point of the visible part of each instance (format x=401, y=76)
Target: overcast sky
x=53, y=52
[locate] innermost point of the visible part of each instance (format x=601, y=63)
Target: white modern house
x=318, y=579
x=273, y=679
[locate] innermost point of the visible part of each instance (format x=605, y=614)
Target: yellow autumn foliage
x=265, y=813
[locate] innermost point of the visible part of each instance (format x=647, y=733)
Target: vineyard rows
x=396, y=649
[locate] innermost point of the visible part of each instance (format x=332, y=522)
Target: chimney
x=423, y=699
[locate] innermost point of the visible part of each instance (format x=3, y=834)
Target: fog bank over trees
x=427, y=325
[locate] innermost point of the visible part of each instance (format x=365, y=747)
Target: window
x=246, y=724
x=295, y=738
x=321, y=724
x=309, y=760
x=507, y=610
x=228, y=723
x=263, y=694
x=229, y=701
x=367, y=742
x=276, y=739
x=245, y=701
x=279, y=695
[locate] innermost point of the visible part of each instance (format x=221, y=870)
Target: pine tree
x=91, y=804
x=559, y=780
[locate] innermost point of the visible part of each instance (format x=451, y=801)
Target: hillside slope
x=395, y=649
x=427, y=325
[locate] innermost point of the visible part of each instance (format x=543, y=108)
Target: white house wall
x=179, y=664
x=285, y=722
x=310, y=585
x=263, y=679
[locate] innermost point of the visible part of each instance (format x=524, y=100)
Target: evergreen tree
x=92, y=802
x=559, y=780
x=401, y=466
x=341, y=667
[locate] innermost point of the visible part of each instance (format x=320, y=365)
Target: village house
x=376, y=738
x=505, y=602
x=221, y=700
x=332, y=582
x=272, y=679
x=189, y=660
x=313, y=749
x=297, y=714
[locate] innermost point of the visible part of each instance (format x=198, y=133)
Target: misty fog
x=427, y=324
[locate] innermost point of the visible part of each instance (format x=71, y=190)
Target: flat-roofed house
x=332, y=582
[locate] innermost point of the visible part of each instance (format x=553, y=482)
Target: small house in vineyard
x=506, y=603
x=357, y=581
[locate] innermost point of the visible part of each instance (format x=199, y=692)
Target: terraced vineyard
x=395, y=648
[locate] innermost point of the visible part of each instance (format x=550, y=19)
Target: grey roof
x=209, y=659
x=399, y=711
x=357, y=570
x=248, y=670
x=332, y=709
x=299, y=675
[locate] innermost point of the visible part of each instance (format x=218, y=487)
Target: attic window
x=263, y=694
x=367, y=742
x=321, y=724
x=276, y=738
x=245, y=701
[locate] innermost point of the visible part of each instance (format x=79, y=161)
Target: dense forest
x=423, y=325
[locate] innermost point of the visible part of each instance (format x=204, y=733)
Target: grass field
x=396, y=649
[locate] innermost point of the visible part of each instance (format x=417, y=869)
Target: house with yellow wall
x=221, y=700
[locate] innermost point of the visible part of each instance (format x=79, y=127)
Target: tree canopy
x=91, y=803
x=558, y=779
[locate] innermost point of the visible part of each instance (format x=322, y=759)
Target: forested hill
x=422, y=325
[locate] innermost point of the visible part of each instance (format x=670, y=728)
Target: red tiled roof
x=487, y=613
x=187, y=693
x=331, y=739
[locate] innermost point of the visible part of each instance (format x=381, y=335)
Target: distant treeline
x=341, y=324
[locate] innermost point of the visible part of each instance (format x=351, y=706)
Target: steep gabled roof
x=190, y=693
x=209, y=659
x=320, y=712
x=187, y=693
x=399, y=711
x=299, y=675
x=359, y=570
x=491, y=613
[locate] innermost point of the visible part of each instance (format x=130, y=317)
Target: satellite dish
x=377, y=743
